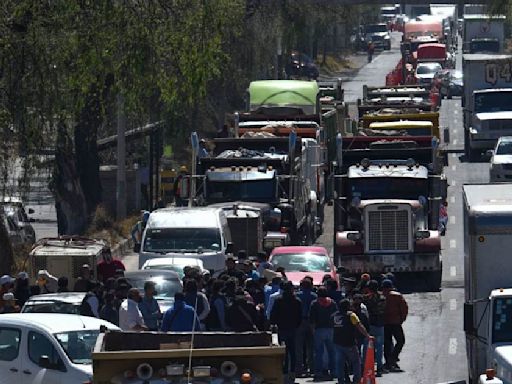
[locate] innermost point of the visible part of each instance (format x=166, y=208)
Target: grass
x=105, y=227
x=334, y=63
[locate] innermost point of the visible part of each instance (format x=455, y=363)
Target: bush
x=101, y=220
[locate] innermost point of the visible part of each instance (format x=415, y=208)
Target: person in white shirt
x=130, y=317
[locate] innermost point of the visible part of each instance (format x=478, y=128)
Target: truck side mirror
x=469, y=323
x=31, y=211
x=230, y=248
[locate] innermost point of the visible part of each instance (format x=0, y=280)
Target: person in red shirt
x=107, y=267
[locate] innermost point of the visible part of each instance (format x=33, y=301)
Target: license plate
x=388, y=259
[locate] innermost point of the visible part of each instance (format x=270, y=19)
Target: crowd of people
x=325, y=329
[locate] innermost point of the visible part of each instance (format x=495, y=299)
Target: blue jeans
x=378, y=333
x=348, y=355
x=324, y=339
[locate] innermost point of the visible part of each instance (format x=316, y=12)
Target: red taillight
x=490, y=373
x=284, y=229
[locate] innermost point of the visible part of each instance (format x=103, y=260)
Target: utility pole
x=121, y=159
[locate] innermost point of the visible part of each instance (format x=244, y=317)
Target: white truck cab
x=42, y=348
x=199, y=233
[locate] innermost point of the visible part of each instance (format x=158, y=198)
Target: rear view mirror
x=490, y=153
x=31, y=211
x=469, y=321
x=230, y=248
x=44, y=362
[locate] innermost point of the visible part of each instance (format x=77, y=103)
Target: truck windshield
x=163, y=240
x=78, y=345
x=502, y=320
x=301, y=262
x=388, y=188
x=505, y=148
x=493, y=102
x=255, y=191
x=375, y=28
x=480, y=46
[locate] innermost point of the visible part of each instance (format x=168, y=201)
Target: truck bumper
x=275, y=239
x=413, y=262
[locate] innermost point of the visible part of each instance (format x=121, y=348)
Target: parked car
x=13, y=231
x=501, y=161
x=378, y=34
x=64, y=302
x=175, y=264
x=14, y=208
x=450, y=83
x=425, y=72
x=301, y=261
x=299, y=65
x=167, y=283
x=48, y=348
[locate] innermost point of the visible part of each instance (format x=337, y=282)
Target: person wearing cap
x=321, y=315
x=5, y=286
x=375, y=301
x=130, y=318
x=46, y=282
x=286, y=313
x=83, y=283
x=348, y=287
x=137, y=232
x=108, y=266
x=149, y=307
x=395, y=314
x=22, y=288
x=203, y=151
x=9, y=304
x=233, y=271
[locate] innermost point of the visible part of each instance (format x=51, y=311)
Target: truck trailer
x=483, y=33
x=487, y=281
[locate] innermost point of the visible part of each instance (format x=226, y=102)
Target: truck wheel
x=433, y=280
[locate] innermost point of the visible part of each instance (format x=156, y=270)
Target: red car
x=299, y=262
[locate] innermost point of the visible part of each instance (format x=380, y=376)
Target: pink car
x=299, y=262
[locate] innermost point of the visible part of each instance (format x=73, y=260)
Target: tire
x=433, y=280
x=448, y=94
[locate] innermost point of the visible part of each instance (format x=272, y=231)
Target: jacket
x=180, y=318
x=307, y=297
x=286, y=312
x=396, y=308
x=241, y=316
x=376, y=304
x=321, y=312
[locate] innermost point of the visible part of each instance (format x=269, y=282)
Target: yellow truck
x=394, y=115
x=405, y=127
x=180, y=358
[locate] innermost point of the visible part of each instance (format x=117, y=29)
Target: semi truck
x=487, y=282
x=388, y=193
x=261, y=179
x=222, y=358
x=487, y=101
x=483, y=33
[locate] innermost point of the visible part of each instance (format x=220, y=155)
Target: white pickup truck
x=487, y=282
x=487, y=101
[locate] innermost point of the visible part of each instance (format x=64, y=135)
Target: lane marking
x=452, y=219
x=454, y=183
x=455, y=130
x=453, y=304
x=454, y=168
x=454, y=141
x=452, y=347
x=453, y=270
x=453, y=243
x=452, y=199
x=454, y=155
x=456, y=111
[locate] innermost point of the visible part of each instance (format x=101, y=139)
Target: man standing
x=83, y=283
x=321, y=317
x=305, y=331
x=346, y=328
x=130, y=318
x=181, y=317
x=395, y=314
x=138, y=231
x=233, y=271
x=149, y=307
x=286, y=313
x=108, y=266
x=375, y=301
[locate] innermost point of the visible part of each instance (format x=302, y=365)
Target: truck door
x=10, y=356
x=34, y=371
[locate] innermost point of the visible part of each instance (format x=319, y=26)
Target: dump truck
x=389, y=190
x=487, y=101
x=487, y=283
x=152, y=357
x=260, y=173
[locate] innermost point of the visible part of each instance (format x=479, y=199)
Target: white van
x=40, y=348
x=200, y=233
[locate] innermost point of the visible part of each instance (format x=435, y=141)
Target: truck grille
x=388, y=230
x=246, y=233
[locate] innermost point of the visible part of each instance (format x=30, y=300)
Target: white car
x=425, y=72
x=175, y=264
x=40, y=348
x=501, y=161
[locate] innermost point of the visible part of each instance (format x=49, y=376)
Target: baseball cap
x=5, y=279
x=386, y=283
x=23, y=275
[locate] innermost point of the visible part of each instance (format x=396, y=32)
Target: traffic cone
x=369, y=364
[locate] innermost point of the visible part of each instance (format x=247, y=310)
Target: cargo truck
x=487, y=101
x=487, y=281
x=483, y=33
x=389, y=190
x=200, y=358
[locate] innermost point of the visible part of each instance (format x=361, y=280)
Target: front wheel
x=433, y=280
